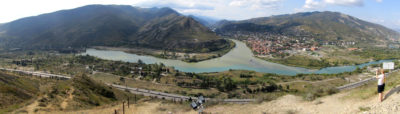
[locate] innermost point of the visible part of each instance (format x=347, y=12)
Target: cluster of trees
x=246, y=75
x=227, y=84
x=150, y=71
x=378, y=53
x=223, y=84
x=267, y=88
x=22, y=62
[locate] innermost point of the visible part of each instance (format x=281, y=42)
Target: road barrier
x=362, y=82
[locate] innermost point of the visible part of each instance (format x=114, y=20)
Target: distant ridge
x=324, y=26
x=111, y=25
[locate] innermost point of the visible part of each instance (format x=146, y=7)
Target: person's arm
x=384, y=77
x=376, y=74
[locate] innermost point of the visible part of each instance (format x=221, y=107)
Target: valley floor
x=289, y=104
x=187, y=57
x=359, y=100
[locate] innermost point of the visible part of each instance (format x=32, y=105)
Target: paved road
x=174, y=97
x=144, y=92
x=39, y=74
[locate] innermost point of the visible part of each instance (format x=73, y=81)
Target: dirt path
x=143, y=108
x=335, y=104
x=64, y=104
x=30, y=109
x=391, y=103
x=292, y=104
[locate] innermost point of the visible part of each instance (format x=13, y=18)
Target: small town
x=267, y=44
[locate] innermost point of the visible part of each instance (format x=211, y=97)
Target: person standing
x=381, y=83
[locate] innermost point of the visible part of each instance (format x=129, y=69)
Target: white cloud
x=227, y=9
x=345, y=2
x=376, y=20
x=255, y=4
x=237, y=3
x=177, y=4
x=310, y=4
x=398, y=23
x=315, y=4
x=13, y=9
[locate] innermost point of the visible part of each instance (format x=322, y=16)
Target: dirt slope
x=289, y=104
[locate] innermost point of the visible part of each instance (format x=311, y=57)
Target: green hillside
x=20, y=94
x=15, y=90
x=110, y=25
x=324, y=26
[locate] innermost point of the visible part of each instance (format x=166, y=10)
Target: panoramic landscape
x=177, y=57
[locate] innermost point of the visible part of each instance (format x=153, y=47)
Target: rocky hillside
x=110, y=25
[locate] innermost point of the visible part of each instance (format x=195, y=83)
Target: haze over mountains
x=204, y=20
x=166, y=29
x=398, y=30
x=111, y=25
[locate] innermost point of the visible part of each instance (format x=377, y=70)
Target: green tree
x=140, y=62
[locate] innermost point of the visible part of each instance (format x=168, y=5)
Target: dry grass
x=169, y=88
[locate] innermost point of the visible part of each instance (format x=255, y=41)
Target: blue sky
x=383, y=12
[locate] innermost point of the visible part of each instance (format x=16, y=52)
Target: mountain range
x=111, y=25
x=323, y=26
x=166, y=29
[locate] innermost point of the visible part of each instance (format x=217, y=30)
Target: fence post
x=128, y=101
x=123, y=107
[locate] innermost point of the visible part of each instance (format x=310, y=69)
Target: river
x=240, y=57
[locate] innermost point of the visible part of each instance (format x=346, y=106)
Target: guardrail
x=175, y=97
x=360, y=83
